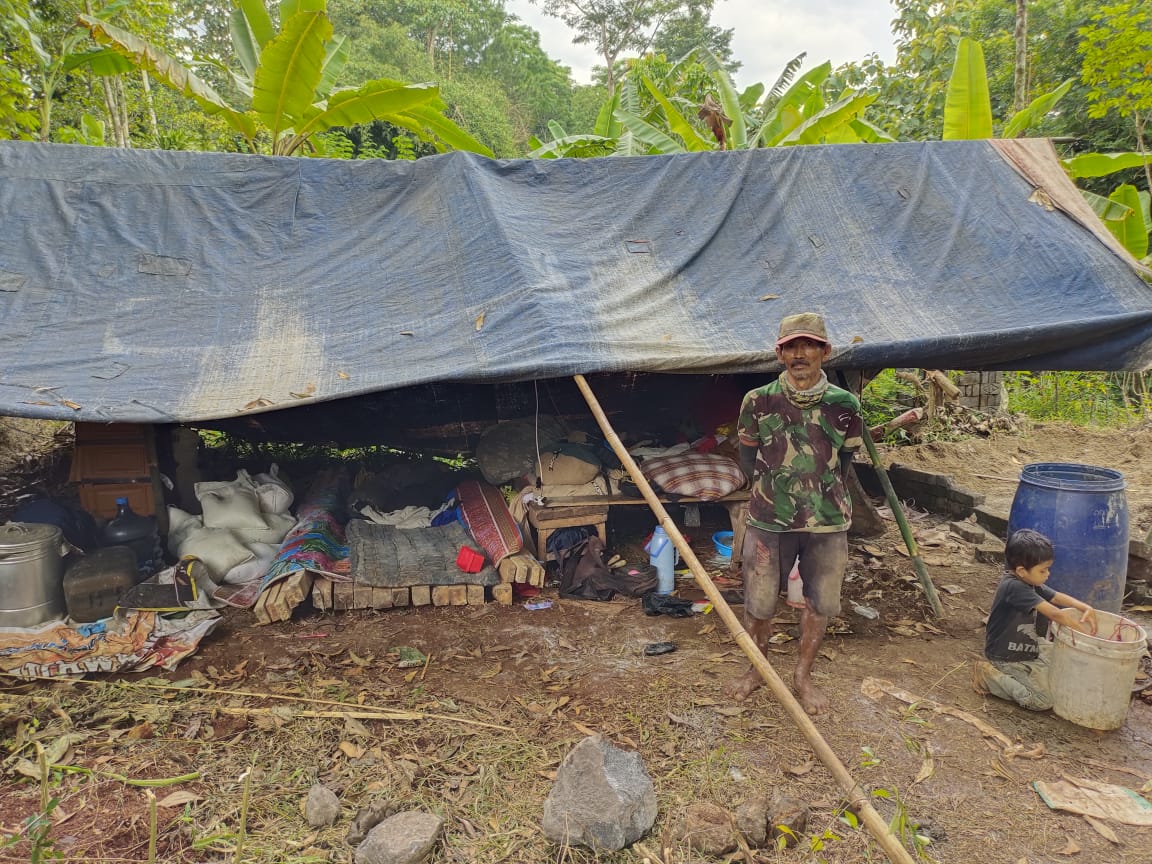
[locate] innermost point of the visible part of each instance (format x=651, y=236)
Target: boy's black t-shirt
x=1011, y=631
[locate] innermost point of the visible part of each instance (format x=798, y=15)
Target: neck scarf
x=804, y=398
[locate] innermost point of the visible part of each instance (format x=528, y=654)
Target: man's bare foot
x=745, y=686
x=811, y=698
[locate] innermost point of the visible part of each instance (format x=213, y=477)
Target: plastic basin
x=722, y=540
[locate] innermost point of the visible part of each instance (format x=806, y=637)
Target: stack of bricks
x=981, y=391
x=935, y=492
x=330, y=595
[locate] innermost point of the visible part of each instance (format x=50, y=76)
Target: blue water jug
x=1082, y=509
x=663, y=556
x=129, y=528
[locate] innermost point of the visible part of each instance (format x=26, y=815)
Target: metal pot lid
x=26, y=536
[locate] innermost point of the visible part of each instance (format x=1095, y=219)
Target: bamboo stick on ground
x=856, y=795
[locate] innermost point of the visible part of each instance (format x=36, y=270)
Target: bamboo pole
x=905, y=528
x=852, y=790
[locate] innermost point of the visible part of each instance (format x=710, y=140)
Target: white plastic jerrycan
x=663, y=556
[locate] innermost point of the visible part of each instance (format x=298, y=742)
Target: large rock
x=406, y=838
x=752, y=820
x=764, y=818
x=705, y=828
x=367, y=818
x=603, y=798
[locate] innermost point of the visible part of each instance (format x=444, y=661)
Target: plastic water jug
x=663, y=556
x=129, y=528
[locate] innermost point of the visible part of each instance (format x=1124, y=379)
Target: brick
x=400, y=597
x=502, y=594
x=421, y=595
x=361, y=596
x=475, y=595
x=342, y=596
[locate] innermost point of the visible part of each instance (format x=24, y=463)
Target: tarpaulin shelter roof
x=155, y=286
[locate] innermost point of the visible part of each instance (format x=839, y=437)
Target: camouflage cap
x=806, y=324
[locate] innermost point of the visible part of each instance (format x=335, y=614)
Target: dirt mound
x=991, y=466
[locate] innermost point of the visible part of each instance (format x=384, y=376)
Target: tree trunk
x=1020, y=80
x=111, y=109
x=122, y=104
x=151, y=107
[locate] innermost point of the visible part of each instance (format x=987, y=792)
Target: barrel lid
x=24, y=536
x=1072, y=477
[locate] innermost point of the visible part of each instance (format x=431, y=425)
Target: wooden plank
x=616, y=500
x=421, y=595
x=400, y=597
x=296, y=588
x=381, y=598
x=475, y=595
x=265, y=607
x=449, y=595
x=322, y=593
x=361, y=596
x=342, y=596
x=502, y=593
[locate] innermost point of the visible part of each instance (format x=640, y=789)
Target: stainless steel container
x=31, y=574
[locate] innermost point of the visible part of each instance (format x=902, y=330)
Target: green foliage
x=287, y=75
x=1117, y=51
x=1086, y=398
x=967, y=107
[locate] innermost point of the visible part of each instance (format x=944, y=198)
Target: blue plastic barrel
x=1082, y=509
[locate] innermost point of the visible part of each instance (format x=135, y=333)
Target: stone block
x=475, y=595
x=421, y=595
x=990, y=553
x=401, y=596
x=502, y=593
x=969, y=531
x=996, y=521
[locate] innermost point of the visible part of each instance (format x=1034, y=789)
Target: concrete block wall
x=935, y=492
x=982, y=391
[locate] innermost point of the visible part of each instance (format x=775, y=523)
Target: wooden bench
x=562, y=512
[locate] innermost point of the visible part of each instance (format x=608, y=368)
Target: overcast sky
x=768, y=34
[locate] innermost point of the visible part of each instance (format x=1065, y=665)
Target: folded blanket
x=488, y=521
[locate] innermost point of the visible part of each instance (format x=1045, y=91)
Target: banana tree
x=791, y=112
x=288, y=77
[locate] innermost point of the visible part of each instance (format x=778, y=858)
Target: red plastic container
x=469, y=560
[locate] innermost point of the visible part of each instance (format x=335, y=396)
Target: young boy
x=1016, y=669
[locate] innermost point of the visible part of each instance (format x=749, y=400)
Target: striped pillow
x=695, y=475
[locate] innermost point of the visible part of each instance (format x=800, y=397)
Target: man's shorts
x=768, y=559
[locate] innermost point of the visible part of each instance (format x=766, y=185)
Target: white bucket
x=1091, y=677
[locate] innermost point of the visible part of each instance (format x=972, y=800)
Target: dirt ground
x=260, y=713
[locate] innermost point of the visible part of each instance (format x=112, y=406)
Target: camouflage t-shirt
x=797, y=478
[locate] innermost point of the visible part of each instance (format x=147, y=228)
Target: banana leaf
x=171, y=72
x=576, y=146
x=751, y=96
x=288, y=8
x=1107, y=209
x=870, y=133
x=443, y=130
x=647, y=134
x=338, y=51
x=967, y=106
x=786, y=76
x=786, y=114
x=1027, y=117
x=102, y=61
x=290, y=69
x=244, y=43
x=1132, y=230
x=371, y=101
x=1102, y=164
x=841, y=113
x=258, y=21
x=606, y=125
x=676, y=121
x=729, y=99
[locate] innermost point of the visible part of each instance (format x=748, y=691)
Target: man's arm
x=748, y=459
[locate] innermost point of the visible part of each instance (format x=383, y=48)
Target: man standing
x=797, y=436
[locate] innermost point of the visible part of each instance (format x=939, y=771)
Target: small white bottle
x=796, y=588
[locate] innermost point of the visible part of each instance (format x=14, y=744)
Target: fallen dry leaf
x=729, y=710
x=69, y=404
x=1103, y=830
x=352, y=750
x=875, y=551
x=410, y=333
x=480, y=320
x=178, y=799
x=1070, y=848
x=856, y=339
x=927, y=768
x=801, y=769
x=343, y=375
x=259, y=402
x=770, y=297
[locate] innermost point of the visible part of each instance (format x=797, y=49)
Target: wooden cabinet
x=116, y=460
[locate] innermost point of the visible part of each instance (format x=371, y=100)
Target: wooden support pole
x=852, y=790
x=905, y=528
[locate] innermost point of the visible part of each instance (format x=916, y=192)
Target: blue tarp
x=153, y=286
